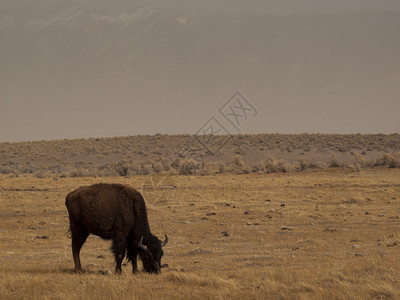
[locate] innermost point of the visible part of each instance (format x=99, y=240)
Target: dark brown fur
x=116, y=212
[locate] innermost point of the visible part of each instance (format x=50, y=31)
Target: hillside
x=183, y=154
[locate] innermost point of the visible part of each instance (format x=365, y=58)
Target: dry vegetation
x=185, y=155
x=321, y=234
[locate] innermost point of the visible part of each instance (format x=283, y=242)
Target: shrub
x=304, y=165
x=271, y=165
x=189, y=167
x=334, y=162
x=258, y=167
x=80, y=172
x=122, y=168
x=161, y=165
x=360, y=161
x=146, y=169
x=221, y=167
x=239, y=166
x=389, y=160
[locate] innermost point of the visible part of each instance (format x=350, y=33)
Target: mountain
x=88, y=68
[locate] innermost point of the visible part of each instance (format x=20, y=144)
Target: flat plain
x=319, y=234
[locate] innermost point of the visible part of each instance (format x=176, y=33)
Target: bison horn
x=140, y=244
x=165, y=242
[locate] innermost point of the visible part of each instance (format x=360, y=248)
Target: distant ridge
x=147, y=154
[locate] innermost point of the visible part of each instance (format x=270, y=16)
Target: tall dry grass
x=324, y=234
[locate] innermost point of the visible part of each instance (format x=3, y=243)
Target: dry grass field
x=322, y=234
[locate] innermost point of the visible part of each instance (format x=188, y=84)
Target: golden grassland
x=322, y=234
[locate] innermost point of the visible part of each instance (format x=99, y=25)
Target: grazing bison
x=116, y=212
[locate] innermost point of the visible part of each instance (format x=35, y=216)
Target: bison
x=117, y=212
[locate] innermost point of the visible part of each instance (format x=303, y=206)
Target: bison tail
x=69, y=231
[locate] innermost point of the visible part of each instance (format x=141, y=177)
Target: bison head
x=151, y=253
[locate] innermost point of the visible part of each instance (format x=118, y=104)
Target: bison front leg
x=119, y=248
x=132, y=256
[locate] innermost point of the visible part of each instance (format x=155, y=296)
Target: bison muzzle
x=117, y=212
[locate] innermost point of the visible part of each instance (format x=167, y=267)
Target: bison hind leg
x=79, y=235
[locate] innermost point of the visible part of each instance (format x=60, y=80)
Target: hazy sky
x=96, y=68
x=289, y=6
x=272, y=6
